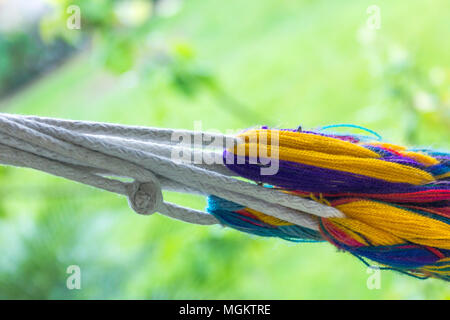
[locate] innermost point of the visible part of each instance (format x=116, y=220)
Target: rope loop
x=145, y=197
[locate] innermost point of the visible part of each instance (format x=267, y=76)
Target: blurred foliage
x=121, y=32
x=233, y=65
x=420, y=93
x=23, y=56
x=125, y=37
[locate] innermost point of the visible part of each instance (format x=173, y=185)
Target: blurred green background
x=231, y=64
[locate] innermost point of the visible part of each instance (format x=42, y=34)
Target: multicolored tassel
x=396, y=200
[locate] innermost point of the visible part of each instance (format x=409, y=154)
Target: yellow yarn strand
x=305, y=141
x=407, y=225
x=360, y=231
x=388, y=171
x=421, y=158
x=268, y=219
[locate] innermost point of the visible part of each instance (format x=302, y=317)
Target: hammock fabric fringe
x=396, y=200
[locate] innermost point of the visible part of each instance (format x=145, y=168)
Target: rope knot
x=145, y=197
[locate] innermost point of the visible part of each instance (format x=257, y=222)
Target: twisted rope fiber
x=273, y=201
x=102, y=155
x=379, y=201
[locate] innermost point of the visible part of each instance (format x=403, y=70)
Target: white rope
x=90, y=152
x=165, y=136
x=185, y=173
